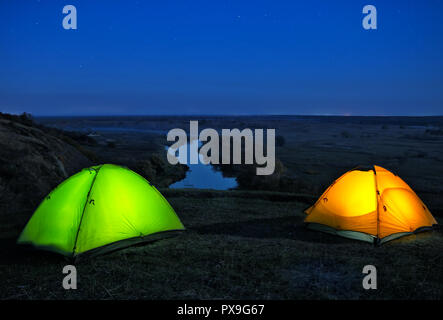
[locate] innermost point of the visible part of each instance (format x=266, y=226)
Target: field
x=237, y=246
x=246, y=244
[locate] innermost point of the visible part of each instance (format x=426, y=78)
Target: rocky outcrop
x=32, y=162
x=159, y=172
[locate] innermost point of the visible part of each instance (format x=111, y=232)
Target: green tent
x=99, y=209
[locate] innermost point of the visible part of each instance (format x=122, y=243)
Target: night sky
x=221, y=57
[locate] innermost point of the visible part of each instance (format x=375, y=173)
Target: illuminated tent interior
x=372, y=205
x=100, y=209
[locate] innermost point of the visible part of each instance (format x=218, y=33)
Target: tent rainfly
x=100, y=209
x=372, y=205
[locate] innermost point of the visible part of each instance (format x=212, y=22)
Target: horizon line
x=227, y=115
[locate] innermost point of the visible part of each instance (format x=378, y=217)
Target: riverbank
x=311, y=151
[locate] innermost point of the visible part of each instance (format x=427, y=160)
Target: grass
x=238, y=245
x=252, y=244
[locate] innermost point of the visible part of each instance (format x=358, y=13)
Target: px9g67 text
x=238, y=309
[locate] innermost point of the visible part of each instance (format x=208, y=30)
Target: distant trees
x=280, y=141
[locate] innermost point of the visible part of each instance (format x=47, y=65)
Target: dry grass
x=235, y=248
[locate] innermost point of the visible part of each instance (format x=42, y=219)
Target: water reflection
x=200, y=176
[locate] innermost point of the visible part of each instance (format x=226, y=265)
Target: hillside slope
x=32, y=162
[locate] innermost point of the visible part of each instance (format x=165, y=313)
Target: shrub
x=280, y=141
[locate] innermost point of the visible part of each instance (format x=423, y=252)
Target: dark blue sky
x=221, y=57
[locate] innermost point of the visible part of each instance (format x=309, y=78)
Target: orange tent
x=372, y=205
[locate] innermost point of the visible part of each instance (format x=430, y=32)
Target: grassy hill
x=238, y=245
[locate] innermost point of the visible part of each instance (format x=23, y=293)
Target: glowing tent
x=372, y=205
x=100, y=209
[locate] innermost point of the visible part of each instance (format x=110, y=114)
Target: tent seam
x=377, y=200
x=84, y=209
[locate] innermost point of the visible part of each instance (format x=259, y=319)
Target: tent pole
x=83, y=212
